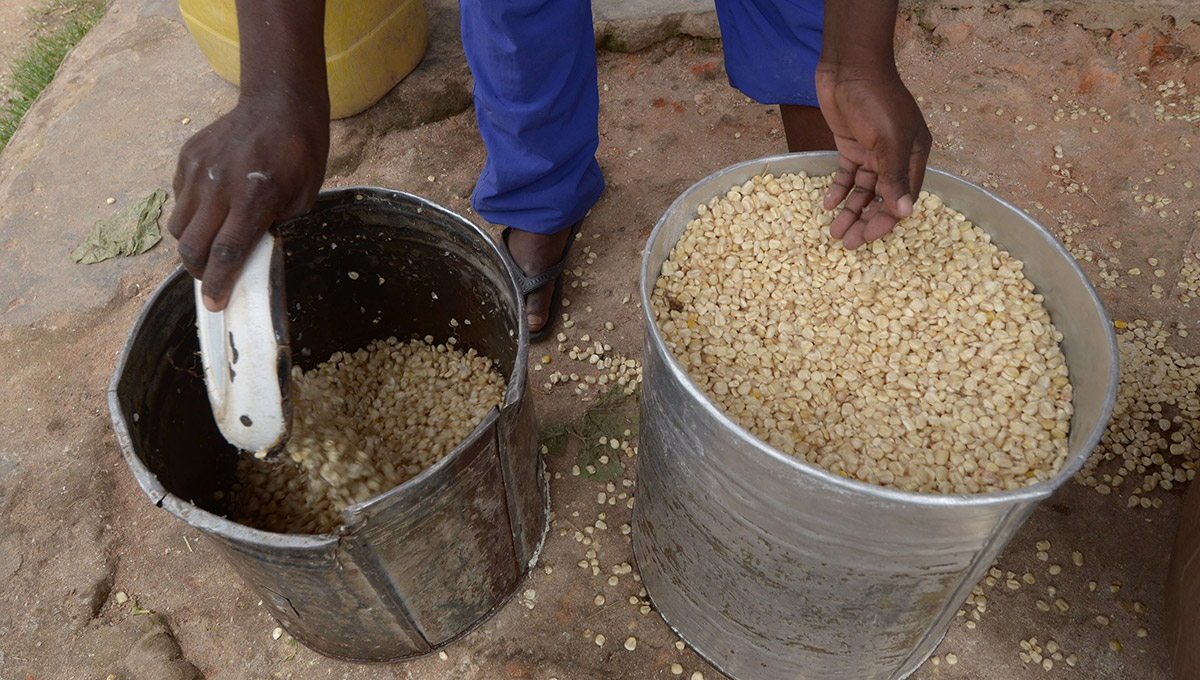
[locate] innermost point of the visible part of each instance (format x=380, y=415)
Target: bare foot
x=535, y=253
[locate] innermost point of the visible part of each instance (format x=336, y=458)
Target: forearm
x=264, y=161
x=881, y=136
x=283, y=50
x=859, y=34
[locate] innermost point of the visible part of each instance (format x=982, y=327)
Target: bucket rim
x=1032, y=492
x=231, y=530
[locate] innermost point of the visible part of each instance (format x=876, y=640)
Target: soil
x=15, y=30
x=20, y=22
x=84, y=555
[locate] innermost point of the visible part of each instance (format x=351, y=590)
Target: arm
x=881, y=137
x=264, y=161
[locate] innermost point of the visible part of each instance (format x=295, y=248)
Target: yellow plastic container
x=370, y=45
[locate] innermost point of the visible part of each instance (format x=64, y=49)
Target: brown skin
x=264, y=162
x=882, y=141
x=806, y=129
x=535, y=253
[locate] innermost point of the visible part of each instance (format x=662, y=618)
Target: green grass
x=62, y=24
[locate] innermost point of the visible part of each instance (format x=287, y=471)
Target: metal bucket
x=772, y=568
x=413, y=568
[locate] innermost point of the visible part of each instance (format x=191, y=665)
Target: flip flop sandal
x=553, y=274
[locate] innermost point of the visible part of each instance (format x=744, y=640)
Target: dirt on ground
x=20, y=22
x=1078, y=117
x=15, y=31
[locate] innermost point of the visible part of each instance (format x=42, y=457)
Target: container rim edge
x=1032, y=492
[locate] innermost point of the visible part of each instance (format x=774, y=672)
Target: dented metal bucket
x=422, y=564
x=774, y=569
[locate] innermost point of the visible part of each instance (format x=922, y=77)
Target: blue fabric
x=771, y=48
x=537, y=103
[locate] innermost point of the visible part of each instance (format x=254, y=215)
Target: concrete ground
x=1073, y=111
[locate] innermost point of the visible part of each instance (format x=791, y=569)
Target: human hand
x=260, y=164
x=883, y=145
x=880, y=134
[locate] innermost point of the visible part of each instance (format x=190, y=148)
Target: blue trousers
x=537, y=101
x=771, y=48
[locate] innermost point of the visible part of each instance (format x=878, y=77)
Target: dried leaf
x=128, y=232
x=590, y=453
x=613, y=413
x=554, y=439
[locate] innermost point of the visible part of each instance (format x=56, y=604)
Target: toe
x=536, y=323
x=536, y=253
x=537, y=307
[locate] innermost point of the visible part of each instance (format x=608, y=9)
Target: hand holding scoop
x=246, y=355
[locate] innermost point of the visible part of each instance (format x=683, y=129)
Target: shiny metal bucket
x=772, y=568
x=422, y=564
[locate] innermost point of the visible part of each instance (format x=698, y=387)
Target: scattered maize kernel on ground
x=1149, y=447
x=365, y=422
x=923, y=361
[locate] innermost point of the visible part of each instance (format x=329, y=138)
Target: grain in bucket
x=416, y=566
x=772, y=567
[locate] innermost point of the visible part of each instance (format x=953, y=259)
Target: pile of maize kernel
x=363, y=423
x=923, y=361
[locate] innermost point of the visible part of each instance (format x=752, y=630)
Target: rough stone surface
x=139, y=77
x=77, y=530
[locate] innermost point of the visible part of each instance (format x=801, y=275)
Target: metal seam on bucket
x=510, y=500
x=401, y=611
x=148, y=482
x=973, y=575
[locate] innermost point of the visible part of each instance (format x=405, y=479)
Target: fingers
x=875, y=222
x=860, y=197
x=260, y=163
x=880, y=223
x=185, y=202
x=901, y=162
x=918, y=158
x=199, y=211
x=244, y=225
x=875, y=202
x=894, y=185
x=843, y=182
x=197, y=236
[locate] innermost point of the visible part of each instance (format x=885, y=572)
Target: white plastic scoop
x=246, y=355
